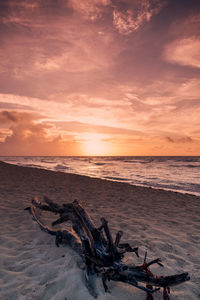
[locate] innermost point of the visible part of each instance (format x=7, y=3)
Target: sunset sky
x=100, y=77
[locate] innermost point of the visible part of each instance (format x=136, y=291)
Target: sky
x=100, y=77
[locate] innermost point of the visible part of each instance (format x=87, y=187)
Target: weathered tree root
x=102, y=256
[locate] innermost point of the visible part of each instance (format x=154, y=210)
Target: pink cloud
x=89, y=9
x=185, y=52
x=10, y=117
x=131, y=19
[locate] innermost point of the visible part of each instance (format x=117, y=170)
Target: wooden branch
x=101, y=255
x=118, y=238
x=63, y=236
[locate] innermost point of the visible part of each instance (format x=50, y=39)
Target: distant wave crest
x=61, y=167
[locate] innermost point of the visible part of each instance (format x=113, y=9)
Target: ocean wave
x=192, y=166
x=47, y=161
x=116, y=178
x=184, y=166
x=31, y=165
x=132, y=161
x=61, y=167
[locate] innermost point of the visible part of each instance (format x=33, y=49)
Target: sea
x=174, y=173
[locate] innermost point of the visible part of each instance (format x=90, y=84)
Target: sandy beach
x=166, y=224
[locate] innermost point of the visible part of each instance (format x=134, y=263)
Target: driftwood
x=101, y=254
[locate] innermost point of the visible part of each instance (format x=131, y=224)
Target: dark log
x=101, y=255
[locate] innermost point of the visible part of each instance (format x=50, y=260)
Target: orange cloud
x=26, y=136
x=185, y=139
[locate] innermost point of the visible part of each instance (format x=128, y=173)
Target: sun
x=94, y=145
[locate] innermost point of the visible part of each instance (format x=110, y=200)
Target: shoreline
x=124, y=181
x=166, y=223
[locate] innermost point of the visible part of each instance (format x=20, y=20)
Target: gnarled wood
x=101, y=255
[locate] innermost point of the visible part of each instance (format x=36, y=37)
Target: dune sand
x=167, y=224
